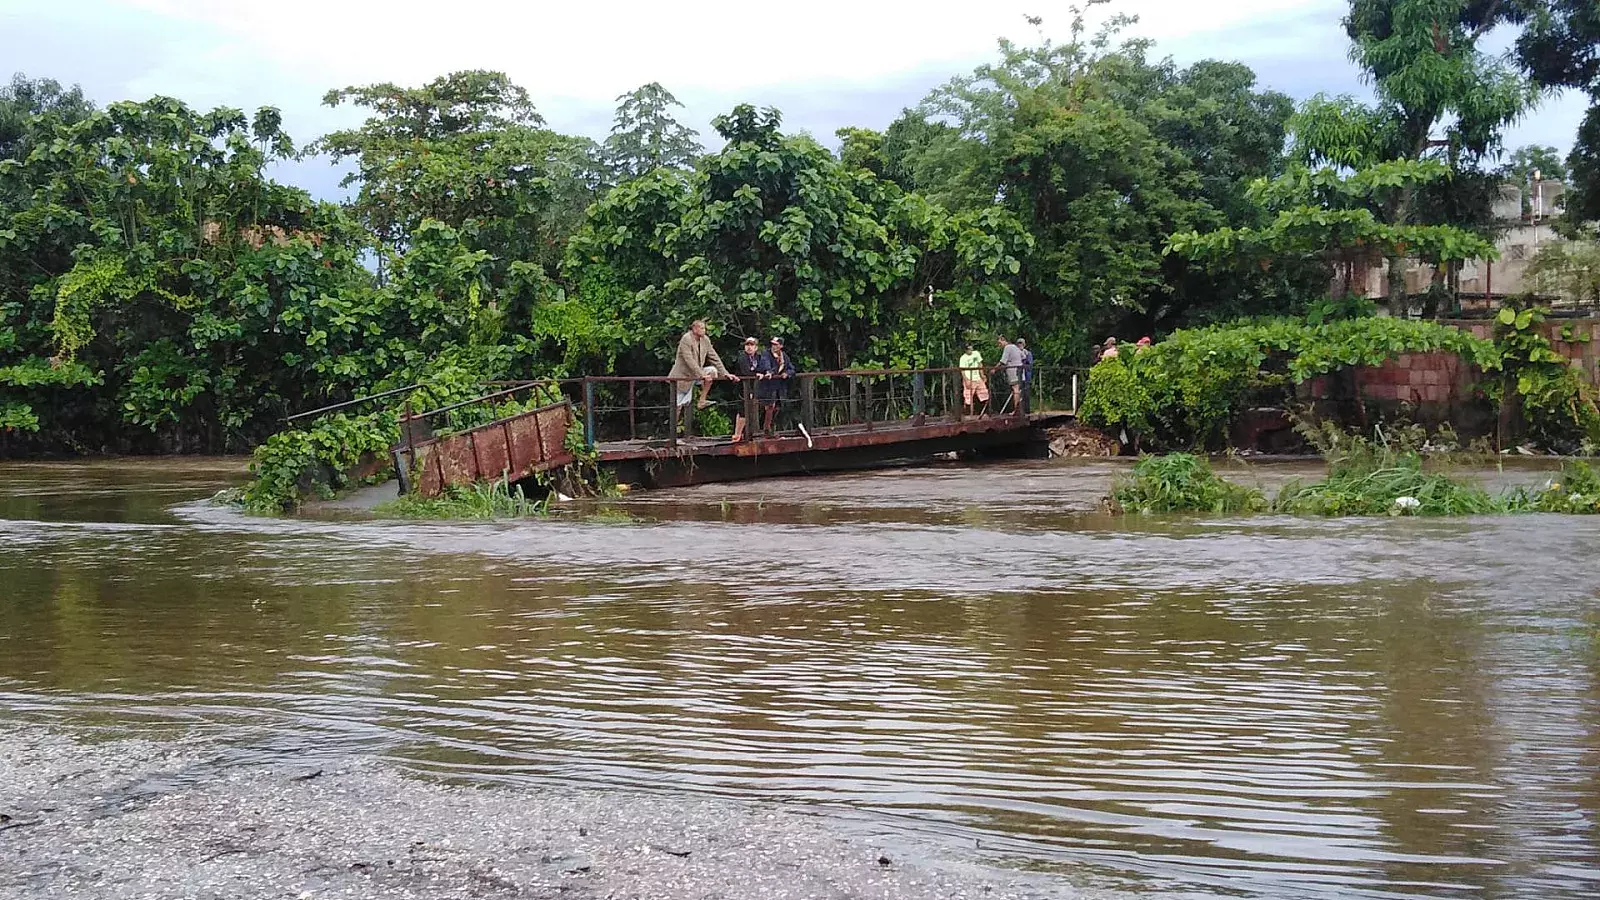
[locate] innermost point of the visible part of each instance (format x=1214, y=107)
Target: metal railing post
x=958, y=402
x=588, y=412
x=633, y=425
x=672, y=413
x=752, y=414
x=1074, y=393
x=853, y=408
x=808, y=401
x=919, y=397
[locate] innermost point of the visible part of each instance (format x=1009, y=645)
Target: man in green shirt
x=974, y=383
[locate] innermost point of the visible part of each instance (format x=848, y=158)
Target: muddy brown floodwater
x=1262, y=706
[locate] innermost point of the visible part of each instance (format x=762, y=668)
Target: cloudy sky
x=824, y=63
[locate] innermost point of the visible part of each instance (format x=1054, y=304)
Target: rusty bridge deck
x=686, y=461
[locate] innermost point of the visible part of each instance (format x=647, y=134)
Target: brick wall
x=1436, y=377
x=1584, y=352
x=1416, y=378
x=1438, y=386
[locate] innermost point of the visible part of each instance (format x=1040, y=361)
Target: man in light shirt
x=974, y=380
x=1011, y=364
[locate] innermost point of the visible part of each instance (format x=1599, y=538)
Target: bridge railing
x=617, y=408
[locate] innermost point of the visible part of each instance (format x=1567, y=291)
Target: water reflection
x=1273, y=706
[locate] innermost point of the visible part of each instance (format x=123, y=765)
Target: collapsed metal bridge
x=632, y=427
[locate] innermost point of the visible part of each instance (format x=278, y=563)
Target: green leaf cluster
x=774, y=235
x=1557, y=404
x=1369, y=480
x=316, y=460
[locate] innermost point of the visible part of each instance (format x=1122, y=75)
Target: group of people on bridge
x=773, y=369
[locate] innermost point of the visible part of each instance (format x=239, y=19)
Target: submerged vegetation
x=1182, y=482
x=1383, y=482
x=487, y=500
x=1364, y=478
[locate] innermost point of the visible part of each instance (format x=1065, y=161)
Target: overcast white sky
x=825, y=63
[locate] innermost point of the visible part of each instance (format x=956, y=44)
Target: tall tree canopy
x=25, y=98
x=646, y=136
x=468, y=150
x=1101, y=154
x=150, y=269
x=1440, y=96
x=774, y=235
x=1560, y=48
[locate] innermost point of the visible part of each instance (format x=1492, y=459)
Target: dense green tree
x=25, y=98
x=1560, y=48
x=862, y=148
x=1102, y=154
x=1583, y=198
x=158, y=291
x=1325, y=215
x=1439, y=96
x=143, y=251
x=468, y=150
x=645, y=135
x=1559, y=45
x=774, y=235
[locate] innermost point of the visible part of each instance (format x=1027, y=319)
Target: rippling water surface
x=1267, y=706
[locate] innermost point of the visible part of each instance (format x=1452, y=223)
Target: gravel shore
x=135, y=819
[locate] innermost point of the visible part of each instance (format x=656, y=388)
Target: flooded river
x=1267, y=707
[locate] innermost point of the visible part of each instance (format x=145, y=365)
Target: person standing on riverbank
x=974, y=380
x=1011, y=364
x=697, y=360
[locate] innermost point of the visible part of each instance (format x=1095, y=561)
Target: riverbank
x=155, y=819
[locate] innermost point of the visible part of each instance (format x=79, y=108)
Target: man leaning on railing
x=697, y=360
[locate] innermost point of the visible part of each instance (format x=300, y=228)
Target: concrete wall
x=1525, y=234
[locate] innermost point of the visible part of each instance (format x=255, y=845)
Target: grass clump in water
x=1576, y=489
x=1182, y=482
x=484, y=500
x=1367, y=479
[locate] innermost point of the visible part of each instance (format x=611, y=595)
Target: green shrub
x=316, y=459
x=1182, y=482
x=1558, y=405
x=1185, y=390
x=1116, y=398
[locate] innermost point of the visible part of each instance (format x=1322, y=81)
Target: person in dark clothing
x=749, y=364
x=1027, y=375
x=778, y=371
